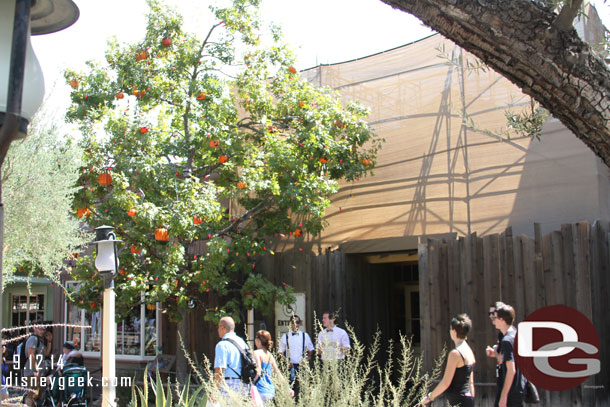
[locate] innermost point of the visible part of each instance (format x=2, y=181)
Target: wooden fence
x=569, y=267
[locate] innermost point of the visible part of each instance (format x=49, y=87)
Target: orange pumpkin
x=323, y=160
x=151, y=307
x=120, y=95
x=201, y=96
x=132, y=212
x=214, y=143
x=104, y=179
x=141, y=55
x=143, y=130
x=80, y=212
x=302, y=103
x=74, y=83
x=298, y=233
x=366, y=162
x=161, y=235
x=241, y=185
x=292, y=69
x=196, y=220
x=223, y=159
x=134, y=249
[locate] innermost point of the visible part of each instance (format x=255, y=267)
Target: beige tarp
x=442, y=168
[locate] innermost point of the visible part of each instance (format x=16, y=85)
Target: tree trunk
x=517, y=39
x=182, y=367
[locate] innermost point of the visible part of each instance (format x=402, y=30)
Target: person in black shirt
x=458, y=380
x=511, y=383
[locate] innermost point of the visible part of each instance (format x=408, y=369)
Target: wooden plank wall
x=335, y=281
x=569, y=267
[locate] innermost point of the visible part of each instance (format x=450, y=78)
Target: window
x=26, y=308
x=136, y=335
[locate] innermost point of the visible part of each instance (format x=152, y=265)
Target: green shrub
x=358, y=381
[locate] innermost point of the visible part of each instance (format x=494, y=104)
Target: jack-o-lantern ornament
x=201, y=96
x=298, y=233
x=196, y=220
x=104, y=179
x=80, y=212
x=223, y=159
x=131, y=212
x=241, y=185
x=213, y=143
x=323, y=160
x=161, y=235
x=366, y=162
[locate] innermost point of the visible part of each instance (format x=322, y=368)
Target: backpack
x=248, y=364
x=23, y=357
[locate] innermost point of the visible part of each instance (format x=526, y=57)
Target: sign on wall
x=284, y=312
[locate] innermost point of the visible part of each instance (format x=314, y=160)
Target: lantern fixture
x=107, y=260
x=21, y=78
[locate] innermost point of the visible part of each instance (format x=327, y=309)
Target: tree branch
x=568, y=13
x=516, y=39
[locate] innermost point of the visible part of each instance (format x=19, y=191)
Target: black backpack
x=248, y=364
x=23, y=357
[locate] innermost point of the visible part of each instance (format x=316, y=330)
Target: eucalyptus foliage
x=39, y=177
x=216, y=139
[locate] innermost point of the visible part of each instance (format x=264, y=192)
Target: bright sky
x=319, y=31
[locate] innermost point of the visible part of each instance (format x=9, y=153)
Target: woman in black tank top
x=458, y=380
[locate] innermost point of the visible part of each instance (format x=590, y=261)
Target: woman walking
x=266, y=367
x=458, y=380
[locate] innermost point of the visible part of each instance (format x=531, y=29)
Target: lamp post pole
x=107, y=263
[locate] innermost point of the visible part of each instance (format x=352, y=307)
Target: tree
x=203, y=151
x=38, y=179
x=535, y=48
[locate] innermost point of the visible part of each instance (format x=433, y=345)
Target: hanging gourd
x=80, y=212
x=104, y=179
x=323, y=160
x=241, y=185
x=366, y=162
x=298, y=233
x=120, y=95
x=214, y=143
x=201, y=96
x=132, y=212
x=151, y=307
x=196, y=220
x=223, y=159
x=161, y=235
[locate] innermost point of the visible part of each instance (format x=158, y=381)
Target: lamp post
x=107, y=264
x=21, y=80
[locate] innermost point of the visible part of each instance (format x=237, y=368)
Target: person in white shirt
x=296, y=345
x=333, y=342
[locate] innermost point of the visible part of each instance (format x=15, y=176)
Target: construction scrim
x=449, y=163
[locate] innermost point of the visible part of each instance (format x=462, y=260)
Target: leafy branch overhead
x=202, y=150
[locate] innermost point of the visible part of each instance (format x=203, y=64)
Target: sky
x=319, y=31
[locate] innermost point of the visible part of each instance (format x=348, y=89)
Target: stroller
x=68, y=390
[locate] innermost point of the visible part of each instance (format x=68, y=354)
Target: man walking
x=35, y=352
x=333, y=342
x=293, y=345
x=511, y=383
x=227, y=360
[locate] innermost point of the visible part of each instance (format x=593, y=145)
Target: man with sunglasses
x=293, y=345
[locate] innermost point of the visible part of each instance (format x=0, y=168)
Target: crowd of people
x=333, y=344
x=296, y=346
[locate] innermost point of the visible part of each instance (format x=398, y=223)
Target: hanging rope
x=18, y=338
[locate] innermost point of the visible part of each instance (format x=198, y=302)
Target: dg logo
x=557, y=348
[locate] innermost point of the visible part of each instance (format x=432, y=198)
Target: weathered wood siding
x=568, y=267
